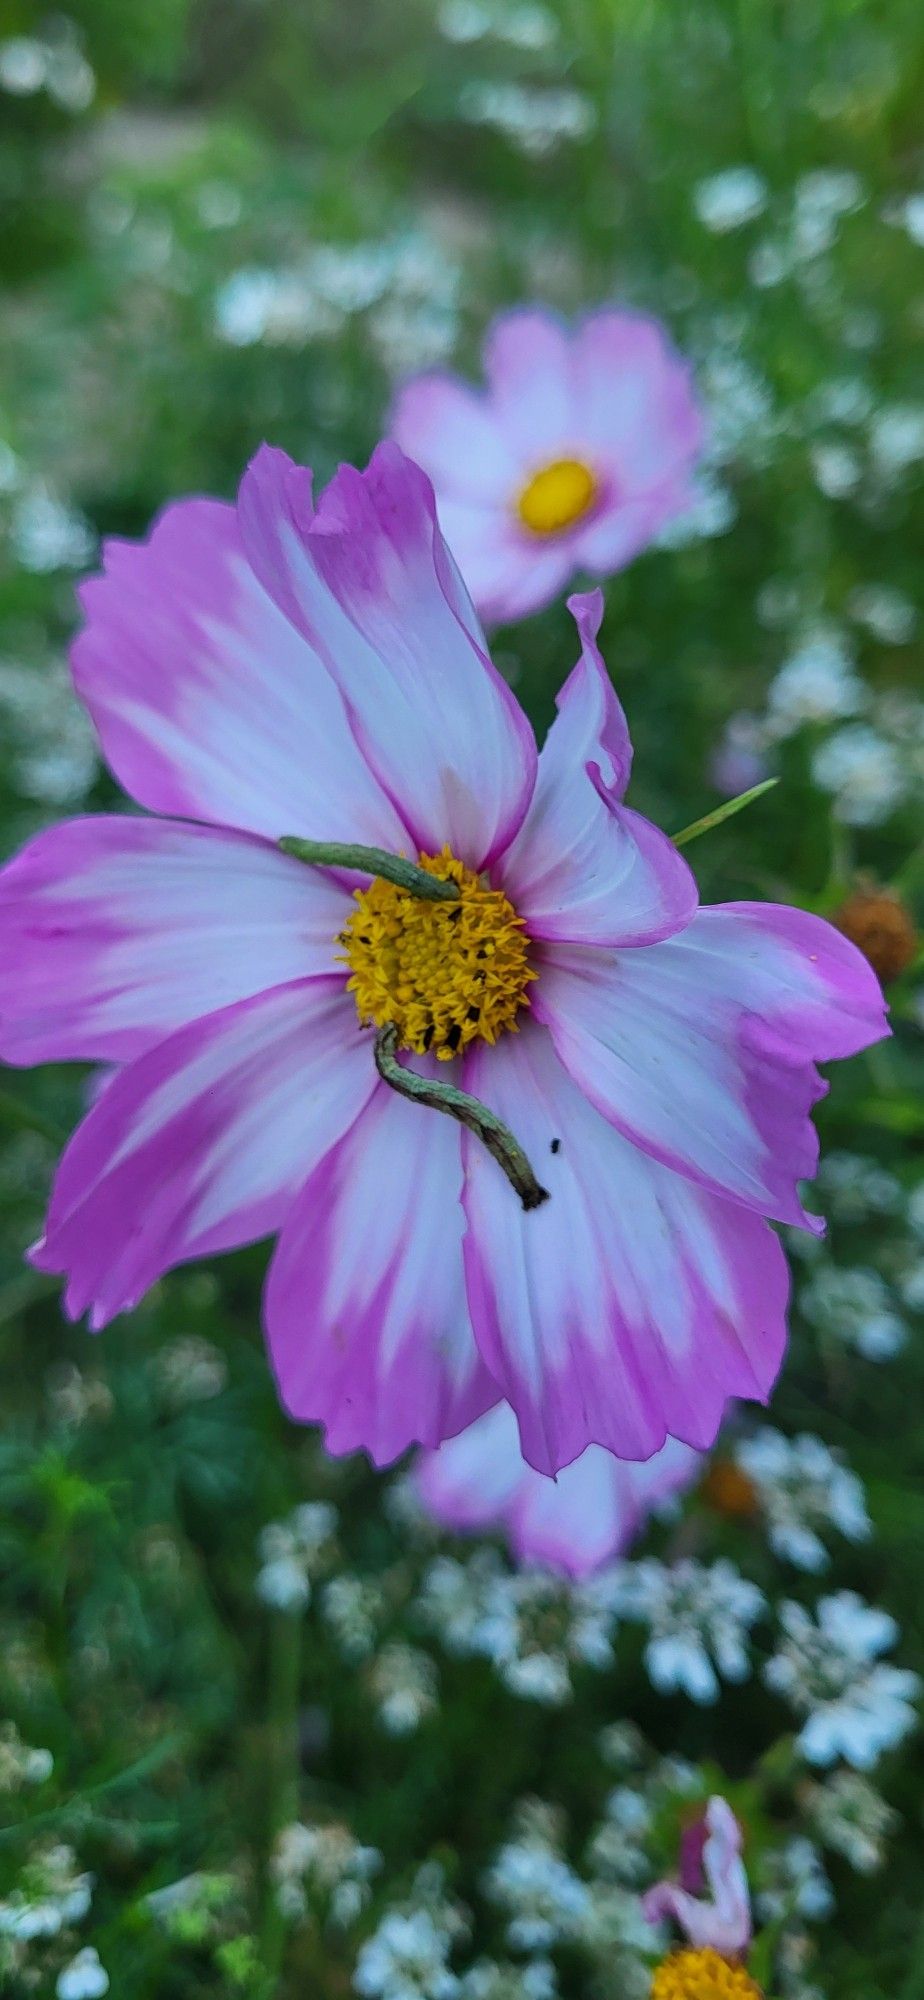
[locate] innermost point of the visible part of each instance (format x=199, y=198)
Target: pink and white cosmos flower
x=592, y=1512
x=721, y=1919
x=278, y=669
x=578, y=451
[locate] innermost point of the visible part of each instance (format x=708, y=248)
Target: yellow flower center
x=444, y=972
x=557, y=496
x=702, y=1975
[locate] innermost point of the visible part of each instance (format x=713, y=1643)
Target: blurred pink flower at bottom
x=723, y=1919
x=592, y=1511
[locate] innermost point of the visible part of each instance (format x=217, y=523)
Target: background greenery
x=225, y=220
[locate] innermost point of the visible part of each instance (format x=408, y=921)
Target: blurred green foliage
x=201, y=144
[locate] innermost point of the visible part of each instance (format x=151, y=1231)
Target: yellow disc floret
x=557, y=496
x=444, y=972
x=702, y=1974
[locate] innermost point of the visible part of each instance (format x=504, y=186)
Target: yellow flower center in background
x=445, y=973
x=557, y=496
x=702, y=1975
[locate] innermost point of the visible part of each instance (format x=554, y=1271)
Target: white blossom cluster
x=293, y=1553
x=535, y=1628
x=544, y=1901
x=851, y=1818
x=406, y=286
x=537, y=120
x=408, y=1955
x=20, y=1764
x=856, y=1189
x=53, y=63
x=52, y=1894
x=855, y=1706
x=405, y=1687
x=54, y=751
x=802, y=1488
x=522, y=24
x=854, y=1307
x=83, y=1978
x=352, y=1607
x=323, y=1867
x=699, y=1618
x=807, y=227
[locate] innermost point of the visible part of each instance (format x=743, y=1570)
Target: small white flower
x=843, y=400
x=851, y=1817
x=407, y=1958
x=23, y=65
x=911, y=216
x=795, y=1884
x=326, y=1863
x=293, y=1552
x=855, y=1706
x=535, y=120
x=837, y=468
x=525, y=26
x=742, y=419
x=890, y=616
x=49, y=535
x=191, y=1370
x=543, y=1898
x=352, y=1607
x=85, y=1978
x=699, y=1618
x=50, y=1895
x=855, y=1307
x=862, y=772
x=830, y=191
x=463, y=21
x=896, y=436
x=490, y=1979
x=617, y=1850
x=405, y=1688
x=802, y=1487
x=855, y=1188
x=729, y=199
x=20, y=1764
x=816, y=684
x=770, y=263
x=532, y=1626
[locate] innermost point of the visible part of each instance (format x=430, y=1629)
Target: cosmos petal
x=584, y=867
x=369, y=582
x=202, y=1143
x=702, y=1049
x=633, y=1303
x=367, y=1320
x=589, y=1514
x=115, y=930
x=209, y=705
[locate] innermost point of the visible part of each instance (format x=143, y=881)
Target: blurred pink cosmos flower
x=580, y=449
x=274, y=669
x=592, y=1512
x=723, y=1919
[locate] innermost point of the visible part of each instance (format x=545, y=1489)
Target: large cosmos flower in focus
x=641, y=1069
x=577, y=453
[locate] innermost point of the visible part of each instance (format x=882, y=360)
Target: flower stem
x=731, y=806
x=469, y=1111
x=282, y=1781
x=370, y=861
